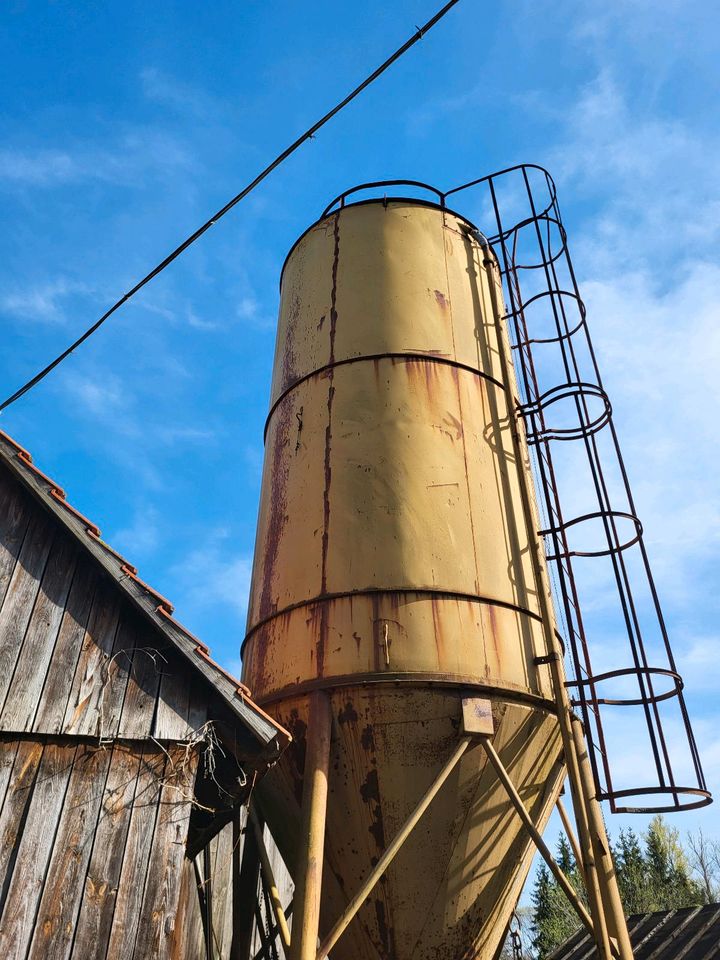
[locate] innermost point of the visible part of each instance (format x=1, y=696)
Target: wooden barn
x=127, y=756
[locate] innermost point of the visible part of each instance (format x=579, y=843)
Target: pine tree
x=543, y=916
x=630, y=866
x=554, y=919
x=653, y=873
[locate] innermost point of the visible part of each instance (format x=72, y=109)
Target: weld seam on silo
x=323, y=632
x=409, y=356
x=504, y=691
x=385, y=591
x=458, y=393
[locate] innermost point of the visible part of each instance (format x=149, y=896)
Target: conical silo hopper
x=394, y=571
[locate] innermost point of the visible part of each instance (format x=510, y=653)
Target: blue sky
x=125, y=125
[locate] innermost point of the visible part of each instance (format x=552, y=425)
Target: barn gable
x=38, y=558
x=123, y=746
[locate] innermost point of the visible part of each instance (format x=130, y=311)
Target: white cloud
x=43, y=302
x=37, y=168
x=213, y=573
x=646, y=262
x=698, y=660
x=659, y=350
x=141, y=537
x=655, y=175
x=249, y=310
x=133, y=156
x=199, y=323
x=101, y=396
x=173, y=434
x=648, y=273
x=162, y=88
x=254, y=457
x=118, y=406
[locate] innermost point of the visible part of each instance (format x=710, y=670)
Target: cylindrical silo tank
x=393, y=570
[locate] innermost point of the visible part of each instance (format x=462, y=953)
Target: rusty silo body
x=394, y=571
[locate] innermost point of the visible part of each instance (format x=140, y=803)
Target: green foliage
x=554, y=919
x=631, y=868
x=653, y=874
x=669, y=884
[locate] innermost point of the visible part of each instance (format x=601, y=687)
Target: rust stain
x=455, y=424
x=370, y=793
x=494, y=633
x=289, y=357
x=422, y=371
x=377, y=631
x=322, y=639
x=348, y=714
x=299, y=418
x=376, y=369
x=383, y=928
x=296, y=753
x=367, y=738
x=438, y=630
x=442, y=300
x=277, y=515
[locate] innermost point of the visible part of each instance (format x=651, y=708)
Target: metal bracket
x=548, y=658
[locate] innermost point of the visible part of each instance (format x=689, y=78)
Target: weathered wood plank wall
x=75, y=659
x=93, y=842
x=219, y=885
x=96, y=785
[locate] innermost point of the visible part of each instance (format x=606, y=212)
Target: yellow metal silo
x=397, y=575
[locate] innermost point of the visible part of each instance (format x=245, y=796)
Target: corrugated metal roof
x=692, y=933
x=272, y=737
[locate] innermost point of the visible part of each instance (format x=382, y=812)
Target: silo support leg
x=607, y=879
x=588, y=872
x=267, y=871
x=542, y=847
x=570, y=833
x=308, y=873
x=387, y=857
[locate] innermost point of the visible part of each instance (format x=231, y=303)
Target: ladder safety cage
x=564, y=404
x=595, y=550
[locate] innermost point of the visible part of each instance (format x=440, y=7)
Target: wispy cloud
x=652, y=287
x=37, y=168
x=133, y=156
x=100, y=396
x=421, y=119
x=117, y=405
x=659, y=189
x=173, y=434
x=199, y=323
x=214, y=573
x=43, y=302
x=250, y=312
x=141, y=537
x=169, y=91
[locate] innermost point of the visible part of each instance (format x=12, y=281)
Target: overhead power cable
x=420, y=32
